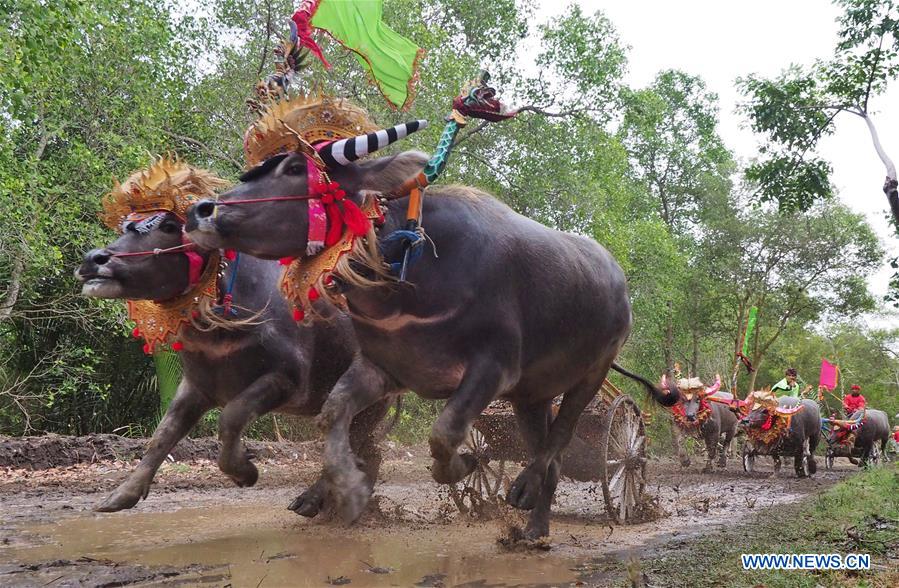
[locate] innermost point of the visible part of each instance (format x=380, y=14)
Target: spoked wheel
x=484, y=483
x=622, y=455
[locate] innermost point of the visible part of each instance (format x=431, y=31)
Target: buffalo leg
x=711, y=435
x=183, y=413
x=366, y=448
x=726, y=448
x=534, y=422
x=261, y=397
x=678, y=438
x=482, y=383
x=361, y=386
x=527, y=487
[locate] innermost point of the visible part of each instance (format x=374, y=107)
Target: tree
x=796, y=268
x=794, y=110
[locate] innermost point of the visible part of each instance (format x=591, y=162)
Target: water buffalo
x=785, y=426
x=874, y=429
x=497, y=306
x=696, y=415
x=246, y=367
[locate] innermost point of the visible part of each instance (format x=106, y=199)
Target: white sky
x=720, y=41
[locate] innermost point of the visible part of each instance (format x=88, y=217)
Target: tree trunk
x=890, y=186
x=695, y=361
x=12, y=292
x=669, y=342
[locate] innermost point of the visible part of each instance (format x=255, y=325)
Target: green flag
x=390, y=58
x=750, y=326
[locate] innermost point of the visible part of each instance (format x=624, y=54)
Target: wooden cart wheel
x=485, y=482
x=622, y=455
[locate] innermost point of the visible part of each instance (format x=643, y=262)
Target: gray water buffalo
x=697, y=414
x=256, y=362
x=870, y=438
x=785, y=426
x=497, y=306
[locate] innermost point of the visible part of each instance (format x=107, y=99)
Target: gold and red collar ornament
x=168, y=185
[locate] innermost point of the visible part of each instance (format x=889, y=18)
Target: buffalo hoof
x=455, y=470
x=812, y=465
x=124, y=497
x=244, y=475
x=685, y=462
x=308, y=504
x=707, y=469
x=525, y=490
x=351, y=493
x=722, y=463
x=537, y=530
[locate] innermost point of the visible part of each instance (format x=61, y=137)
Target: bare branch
x=217, y=153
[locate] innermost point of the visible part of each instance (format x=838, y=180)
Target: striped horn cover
x=340, y=153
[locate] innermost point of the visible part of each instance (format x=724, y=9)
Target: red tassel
x=768, y=423
x=355, y=220
x=195, y=314
x=313, y=294
x=286, y=260
x=298, y=314
x=304, y=34
x=335, y=224
x=177, y=346
x=147, y=349
x=135, y=333
x=230, y=254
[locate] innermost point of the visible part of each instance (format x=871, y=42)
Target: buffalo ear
x=387, y=174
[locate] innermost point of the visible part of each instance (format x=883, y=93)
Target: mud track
x=197, y=528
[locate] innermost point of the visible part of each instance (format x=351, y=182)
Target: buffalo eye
x=296, y=168
x=170, y=228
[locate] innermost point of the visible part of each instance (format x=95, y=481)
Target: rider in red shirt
x=855, y=401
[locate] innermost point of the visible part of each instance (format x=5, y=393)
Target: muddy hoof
x=351, y=493
x=308, y=504
x=244, y=476
x=525, y=490
x=122, y=498
x=812, y=465
x=456, y=470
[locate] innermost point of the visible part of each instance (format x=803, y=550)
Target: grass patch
x=858, y=515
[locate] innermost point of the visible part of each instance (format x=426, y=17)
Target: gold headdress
x=297, y=123
x=168, y=185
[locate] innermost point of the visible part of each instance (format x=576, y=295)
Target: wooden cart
x=609, y=447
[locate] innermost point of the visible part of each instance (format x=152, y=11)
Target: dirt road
x=196, y=528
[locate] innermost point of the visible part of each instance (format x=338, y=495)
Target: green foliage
x=89, y=90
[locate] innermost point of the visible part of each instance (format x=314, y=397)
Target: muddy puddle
x=196, y=529
x=252, y=544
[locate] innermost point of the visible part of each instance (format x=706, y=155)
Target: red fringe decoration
x=230, y=254
x=354, y=218
x=298, y=314
x=335, y=223
x=286, y=260
x=768, y=422
x=177, y=346
x=135, y=333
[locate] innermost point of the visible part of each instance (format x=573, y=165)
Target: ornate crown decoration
x=168, y=185
x=299, y=122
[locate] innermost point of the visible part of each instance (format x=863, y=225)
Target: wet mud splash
x=249, y=544
x=196, y=529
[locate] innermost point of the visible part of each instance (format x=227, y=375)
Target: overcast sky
x=720, y=41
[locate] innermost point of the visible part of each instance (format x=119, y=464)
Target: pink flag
x=828, y=377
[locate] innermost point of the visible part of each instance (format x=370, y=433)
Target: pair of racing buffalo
x=497, y=306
